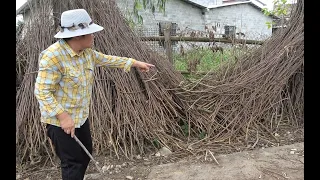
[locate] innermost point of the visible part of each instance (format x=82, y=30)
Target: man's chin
x=91, y=45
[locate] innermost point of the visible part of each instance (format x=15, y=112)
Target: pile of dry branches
x=131, y=112
x=249, y=101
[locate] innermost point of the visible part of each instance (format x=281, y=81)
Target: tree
x=134, y=16
x=280, y=10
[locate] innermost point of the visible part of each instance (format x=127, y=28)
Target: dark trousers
x=74, y=160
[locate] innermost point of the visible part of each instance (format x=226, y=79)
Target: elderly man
x=64, y=84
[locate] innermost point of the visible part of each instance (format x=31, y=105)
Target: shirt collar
x=66, y=46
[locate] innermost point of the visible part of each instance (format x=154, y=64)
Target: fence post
x=167, y=41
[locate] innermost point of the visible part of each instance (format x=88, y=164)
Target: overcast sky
x=19, y=3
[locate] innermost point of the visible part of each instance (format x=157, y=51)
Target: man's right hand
x=66, y=123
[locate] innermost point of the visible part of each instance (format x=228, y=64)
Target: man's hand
x=142, y=66
x=66, y=123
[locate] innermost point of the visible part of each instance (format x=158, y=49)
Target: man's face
x=87, y=41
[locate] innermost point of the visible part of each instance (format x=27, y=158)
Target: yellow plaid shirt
x=65, y=79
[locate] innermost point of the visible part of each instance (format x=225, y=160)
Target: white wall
x=245, y=17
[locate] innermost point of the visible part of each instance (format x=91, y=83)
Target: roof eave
x=195, y=4
x=22, y=9
x=246, y=2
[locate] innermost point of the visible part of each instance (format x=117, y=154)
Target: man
x=64, y=84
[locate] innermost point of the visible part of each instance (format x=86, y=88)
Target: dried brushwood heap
x=249, y=101
x=132, y=111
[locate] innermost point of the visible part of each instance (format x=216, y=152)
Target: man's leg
x=69, y=152
x=85, y=138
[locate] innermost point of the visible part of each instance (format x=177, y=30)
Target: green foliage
x=281, y=10
x=130, y=20
x=269, y=24
x=208, y=60
x=134, y=18
x=185, y=128
x=202, y=135
x=136, y=8
x=266, y=11
x=156, y=143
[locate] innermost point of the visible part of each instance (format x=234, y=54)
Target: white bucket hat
x=76, y=22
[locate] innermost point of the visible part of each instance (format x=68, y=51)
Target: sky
x=20, y=3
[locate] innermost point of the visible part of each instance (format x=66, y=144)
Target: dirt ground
x=283, y=162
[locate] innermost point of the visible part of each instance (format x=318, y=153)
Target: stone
x=164, y=151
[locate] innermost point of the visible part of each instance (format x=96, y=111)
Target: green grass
x=209, y=61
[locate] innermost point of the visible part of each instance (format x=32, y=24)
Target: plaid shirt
x=65, y=79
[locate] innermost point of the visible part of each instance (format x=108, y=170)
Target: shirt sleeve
x=101, y=59
x=48, y=76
